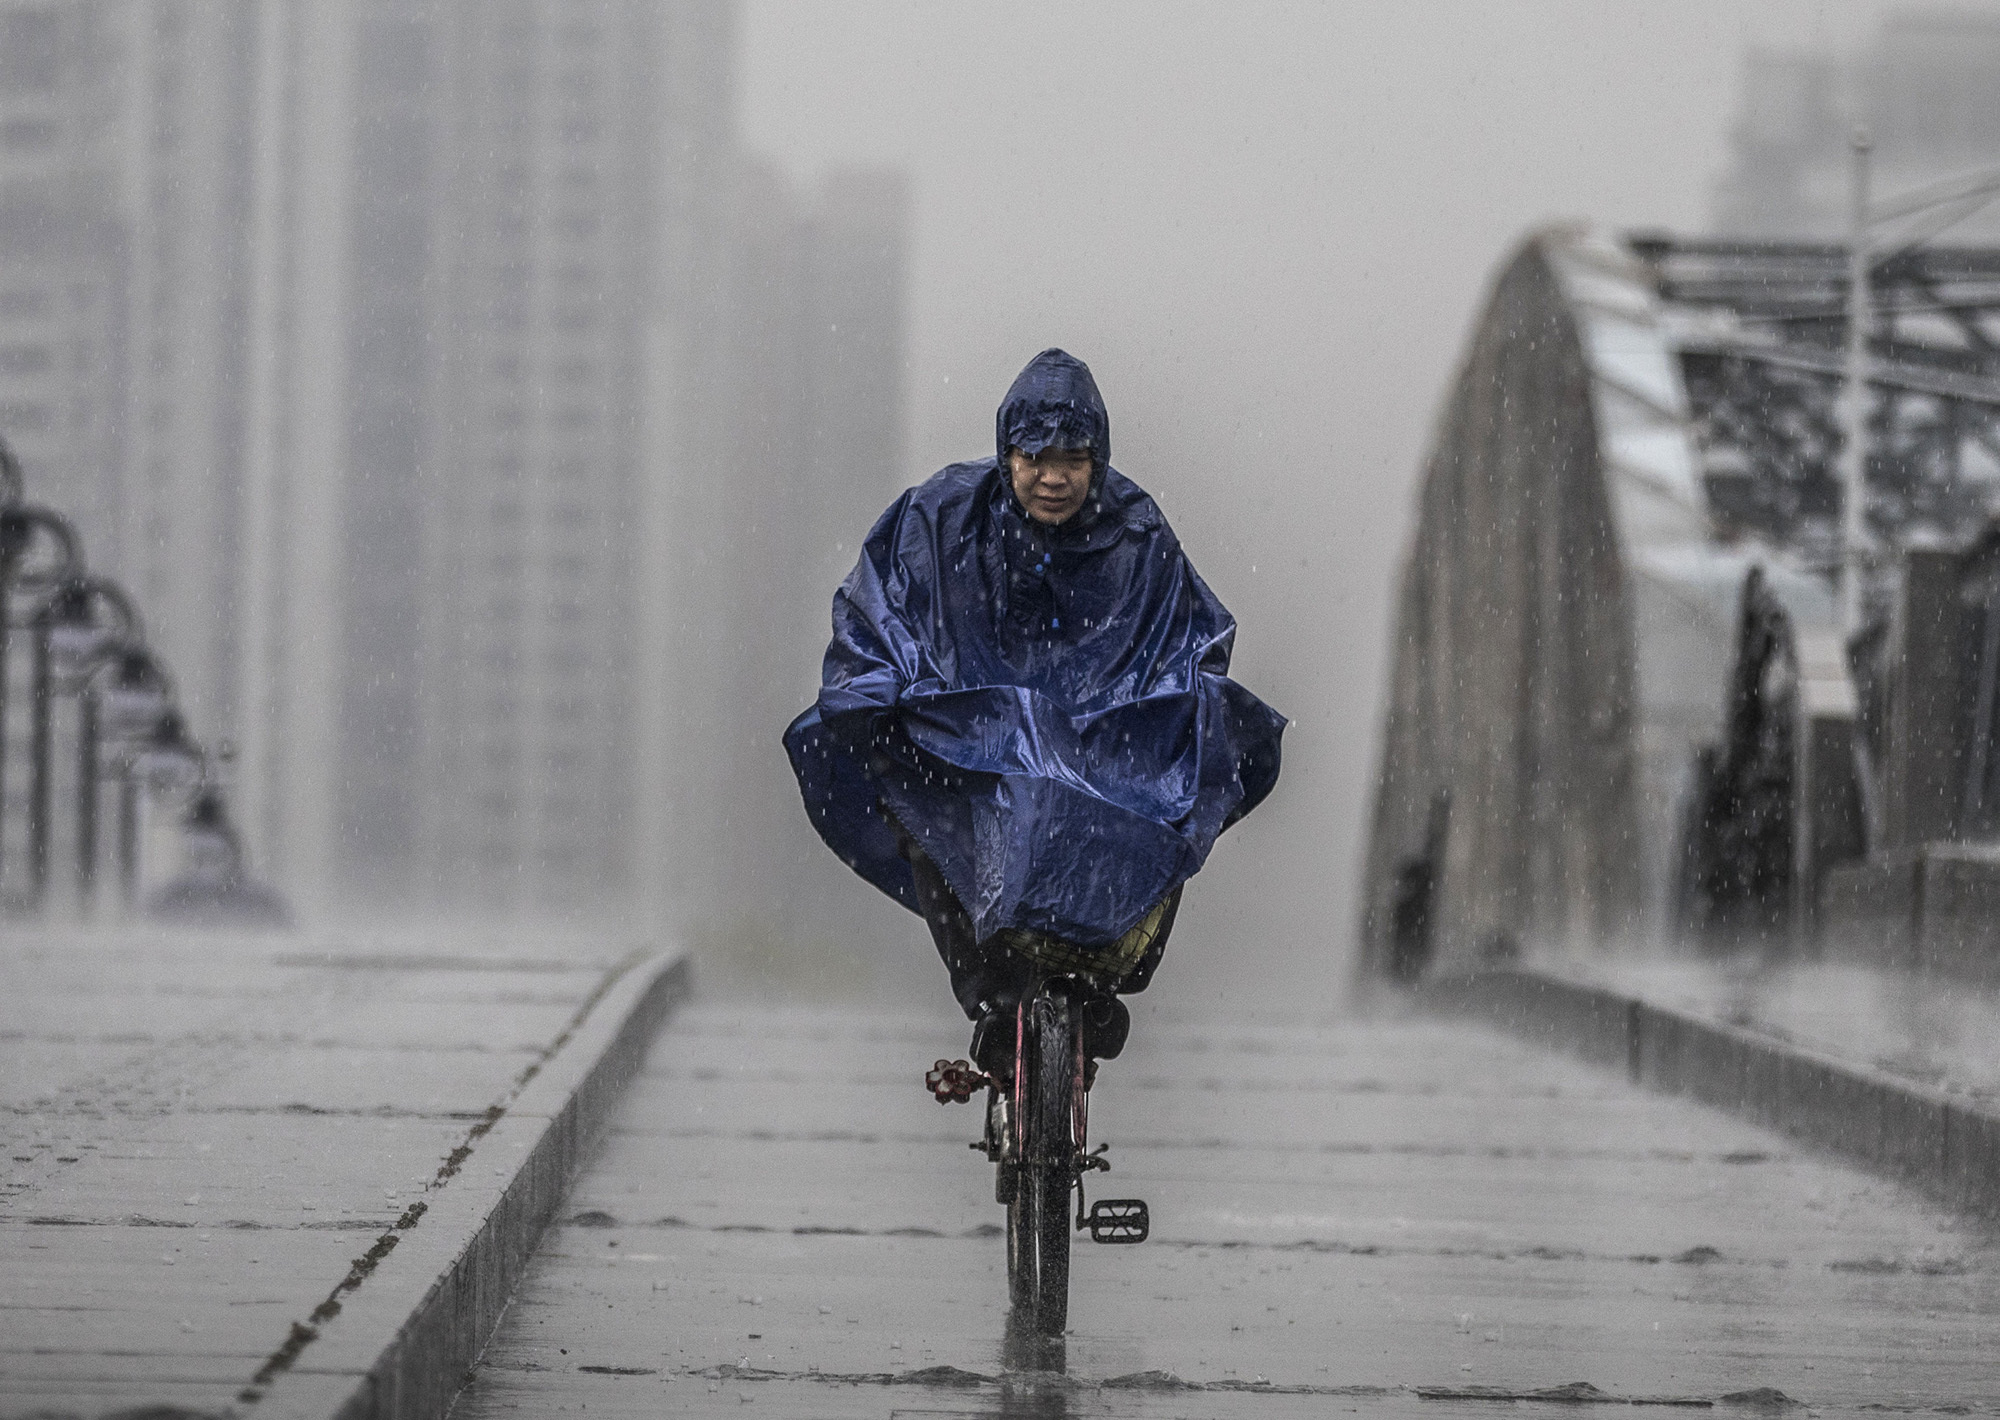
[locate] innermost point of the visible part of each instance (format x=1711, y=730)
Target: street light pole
x=128, y=835
x=161, y=756
x=13, y=537
x=41, y=717
x=87, y=792
x=128, y=712
x=19, y=524
x=71, y=641
x=15, y=534
x=1854, y=402
x=87, y=626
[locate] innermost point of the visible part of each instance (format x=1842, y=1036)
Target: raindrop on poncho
x=1046, y=710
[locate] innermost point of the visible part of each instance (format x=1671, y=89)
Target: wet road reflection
x=1376, y=1217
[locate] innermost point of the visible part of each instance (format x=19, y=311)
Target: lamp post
x=73, y=644
x=213, y=890
x=1854, y=395
x=163, y=756
x=166, y=759
x=82, y=627
x=13, y=487
x=207, y=824
x=130, y=712
x=65, y=637
x=20, y=525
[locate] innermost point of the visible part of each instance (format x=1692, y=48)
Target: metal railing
x=89, y=722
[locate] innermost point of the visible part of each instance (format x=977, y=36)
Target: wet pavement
x=1371, y=1216
x=206, y=1140
x=1925, y=1028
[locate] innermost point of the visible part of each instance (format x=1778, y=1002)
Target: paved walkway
x=202, y=1135
x=1929, y=1029
x=1370, y=1216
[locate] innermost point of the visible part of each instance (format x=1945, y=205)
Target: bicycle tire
x=1021, y=1219
x=1038, y=1222
x=1052, y=1269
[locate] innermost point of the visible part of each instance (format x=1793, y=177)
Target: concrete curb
x=401, y=1345
x=1941, y=1144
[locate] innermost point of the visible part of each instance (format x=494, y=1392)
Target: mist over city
x=1432, y=653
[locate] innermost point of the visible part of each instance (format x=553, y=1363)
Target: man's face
x=1052, y=484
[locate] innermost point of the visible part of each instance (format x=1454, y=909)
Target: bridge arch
x=1565, y=628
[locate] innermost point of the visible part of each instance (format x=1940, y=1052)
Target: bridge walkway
x=1396, y=1214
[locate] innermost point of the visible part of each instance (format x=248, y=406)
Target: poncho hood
x=1046, y=711
x=1054, y=404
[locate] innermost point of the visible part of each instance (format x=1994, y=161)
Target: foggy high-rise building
x=474, y=319
x=328, y=321
x=480, y=431
x=1928, y=92
x=810, y=452
x=61, y=268
x=503, y=211
x=124, y=146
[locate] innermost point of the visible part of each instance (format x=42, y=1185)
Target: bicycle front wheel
x=1038, y=1221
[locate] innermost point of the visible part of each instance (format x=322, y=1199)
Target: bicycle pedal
x=1119, y=1220
x=954, y=1081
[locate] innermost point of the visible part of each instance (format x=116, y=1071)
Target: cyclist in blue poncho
x=1025, y=729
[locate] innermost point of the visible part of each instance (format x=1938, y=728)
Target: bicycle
x=1036, y=1136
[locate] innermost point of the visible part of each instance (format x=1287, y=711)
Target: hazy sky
x=1267, y=227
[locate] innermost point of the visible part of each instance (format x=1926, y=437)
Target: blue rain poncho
x=1046, y=710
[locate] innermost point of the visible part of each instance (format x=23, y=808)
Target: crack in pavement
x=371, y=1111
x=332, y=960
x=1234, y=1146
x=258, y=1038
x=956, y=1378
x=1700, y=1255
x=1764, y=1398
x=148, y=1412
x=1204, y=1085
x=139, y=1220
x=597, y=1218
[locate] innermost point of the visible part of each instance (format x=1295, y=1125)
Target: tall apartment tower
x=471, y=322
x=124, y=138
x=339, y=326
x=1928, y=92
x=815, y=354
x=500, y=285
x=481, y=432
x=62, y=330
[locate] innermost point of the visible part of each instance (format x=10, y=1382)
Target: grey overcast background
x=1268, y=228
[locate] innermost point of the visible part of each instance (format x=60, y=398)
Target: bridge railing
x=95, y=755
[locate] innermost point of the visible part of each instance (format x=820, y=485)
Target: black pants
x=988, y=976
